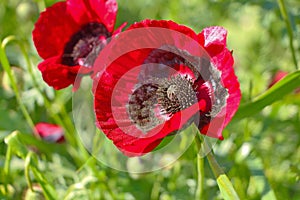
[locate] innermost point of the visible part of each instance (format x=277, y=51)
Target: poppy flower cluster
x=147, y=93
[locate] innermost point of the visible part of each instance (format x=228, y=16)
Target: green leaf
x=43, y=146
x=16, y=145
x=20, y=142
x=226, y=188
x=275, y=93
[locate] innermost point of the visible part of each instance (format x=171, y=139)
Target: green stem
x=91, y=162
x=56, y=118
x=70, y=131
x=200, y=170
x=226, y=188
x=31, y=163
x=73, y=134
x=156, y=187
x=29, y=65
x=217, y=170
x=5, y=63
x=288, y=23
x=27, y=170
x=6, y=167
x=48, y=189
x=64, y=119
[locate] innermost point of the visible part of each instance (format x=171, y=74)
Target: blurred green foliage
x=260, y=154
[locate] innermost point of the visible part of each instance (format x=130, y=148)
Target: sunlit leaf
x=275, y=93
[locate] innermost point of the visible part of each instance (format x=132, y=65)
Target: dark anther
x=141, y=107
x=84, y=46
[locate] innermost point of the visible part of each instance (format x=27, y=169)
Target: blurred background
x=260, y=153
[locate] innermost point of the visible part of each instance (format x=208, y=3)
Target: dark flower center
x=164, y=89
x=141, y=107
x=160, y=97
x=175, y=94
x=85, y=45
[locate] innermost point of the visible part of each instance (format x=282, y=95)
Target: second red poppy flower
x=69, y=35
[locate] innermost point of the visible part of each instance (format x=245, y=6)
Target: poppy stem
x=63, y=119
x=6, y=66
x=27, y=170
x=226, y=188
x=200, y=169
x=216, y=168
x=289, y=28
x=156, y=187
x=66, y=123
x=6, y=168
x=47, y=103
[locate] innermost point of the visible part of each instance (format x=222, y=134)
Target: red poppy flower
x=69, y=35
x=49, y=132
x=149, y=93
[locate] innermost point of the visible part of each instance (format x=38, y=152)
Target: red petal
x=215, y=44
x=164, y=24
x=53, y=30
x=102, y=11
x=57, y=75
x=214, y=39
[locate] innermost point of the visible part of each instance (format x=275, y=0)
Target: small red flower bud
x=49, y=132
